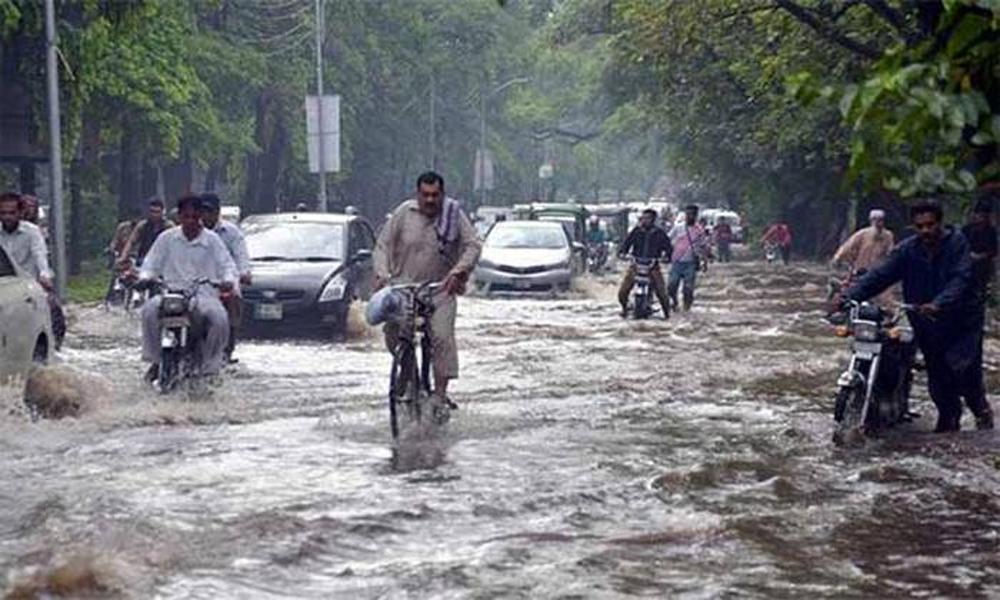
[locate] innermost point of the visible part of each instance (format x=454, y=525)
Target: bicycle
x=410, y=378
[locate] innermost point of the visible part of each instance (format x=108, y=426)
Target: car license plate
x=522, y=284
x=268, y=312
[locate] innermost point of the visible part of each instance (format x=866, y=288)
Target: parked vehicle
x=25, y=322
x=874, y=391
x=572, y=217
x=642, y=292
x=526, y=256
x=713, y=215
x=307, y=270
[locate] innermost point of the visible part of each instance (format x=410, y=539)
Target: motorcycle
x=642, y=292
x=874, y=391
x=597, y=257
x=770, y=252
x=180, y=352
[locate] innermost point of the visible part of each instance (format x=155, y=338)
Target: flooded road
x=592, y=457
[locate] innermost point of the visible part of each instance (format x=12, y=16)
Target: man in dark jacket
x=646, y=241
x=936, y=270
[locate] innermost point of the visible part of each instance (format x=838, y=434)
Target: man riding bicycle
x=430, y=239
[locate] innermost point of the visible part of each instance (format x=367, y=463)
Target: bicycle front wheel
x=404, y=388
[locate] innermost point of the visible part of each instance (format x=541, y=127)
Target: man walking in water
x=430, y=239
x=868, y=246
x=690, y=244
x=936, y=270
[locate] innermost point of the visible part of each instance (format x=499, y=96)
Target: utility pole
x=433, y=133
x=482, y=148
x=55, y=149
x=320, y=26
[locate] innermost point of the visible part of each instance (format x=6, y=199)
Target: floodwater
x=592, y=457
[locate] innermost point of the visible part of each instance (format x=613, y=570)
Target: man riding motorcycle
x=181, y=257
x=646, y=241
x=144, y=234
x=597, y=242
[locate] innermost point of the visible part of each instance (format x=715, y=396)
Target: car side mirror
x=578, y=247
x=362, y=255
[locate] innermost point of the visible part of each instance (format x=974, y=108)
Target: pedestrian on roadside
x=723, y=235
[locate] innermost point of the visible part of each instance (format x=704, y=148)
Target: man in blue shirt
x=935, y=267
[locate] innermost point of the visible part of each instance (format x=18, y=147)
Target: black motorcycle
x=874, y=391
x=180, y=347
x=597, y=257
x=642, y=292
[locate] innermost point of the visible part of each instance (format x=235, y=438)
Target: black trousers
x=948, y=385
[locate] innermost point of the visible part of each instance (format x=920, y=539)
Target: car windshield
x=526, y=237
x=296, y=241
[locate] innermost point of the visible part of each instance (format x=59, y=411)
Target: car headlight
x=865, y=331
x=486, y=264
x=334, y=290
x=559, y=266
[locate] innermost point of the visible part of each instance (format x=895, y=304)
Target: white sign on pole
x=329, y=132
x=546, y=171
x=484, y=178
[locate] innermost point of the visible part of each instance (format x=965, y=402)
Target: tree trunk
x=130, y=182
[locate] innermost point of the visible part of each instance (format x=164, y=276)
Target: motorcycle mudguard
x=849, y=379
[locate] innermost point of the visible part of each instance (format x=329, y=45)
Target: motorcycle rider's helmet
x=383, y=306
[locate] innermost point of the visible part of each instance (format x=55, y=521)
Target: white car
x=526, y=256
x=25, y=322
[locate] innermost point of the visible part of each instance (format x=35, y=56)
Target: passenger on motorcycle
x=232, y=237
x=935, y=268
x=144, y=234
x=181, y=257
x=649, y=242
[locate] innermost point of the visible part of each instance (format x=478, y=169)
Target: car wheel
x=40, y=355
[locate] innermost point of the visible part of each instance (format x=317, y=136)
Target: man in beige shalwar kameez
x=430, y=239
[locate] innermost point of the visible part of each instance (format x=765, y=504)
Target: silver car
x=25, y=323
x=525, y=256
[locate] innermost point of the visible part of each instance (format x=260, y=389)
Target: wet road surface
x=592, y=457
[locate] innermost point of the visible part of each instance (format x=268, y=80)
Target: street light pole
x=483, y=97
x=482, y=148
x=320, y=25
x=55, y=148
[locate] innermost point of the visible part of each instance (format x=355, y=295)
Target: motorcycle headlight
x=334, y=289
x=865, y=331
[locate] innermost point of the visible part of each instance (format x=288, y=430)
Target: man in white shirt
x=23, y=242
x=233, y=238
x=181, y=256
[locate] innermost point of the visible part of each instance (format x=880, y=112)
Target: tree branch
x=825, y=29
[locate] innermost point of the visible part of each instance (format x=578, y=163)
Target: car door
x=19, y=326
x=363, y=238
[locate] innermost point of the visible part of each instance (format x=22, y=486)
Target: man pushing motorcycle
x=935, y=268
x=183, y=258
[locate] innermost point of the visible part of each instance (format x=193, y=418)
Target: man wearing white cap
x=868, y=246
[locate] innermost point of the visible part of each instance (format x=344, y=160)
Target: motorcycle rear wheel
x=169, y=370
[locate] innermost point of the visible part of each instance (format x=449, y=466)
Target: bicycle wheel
x=404, y=387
